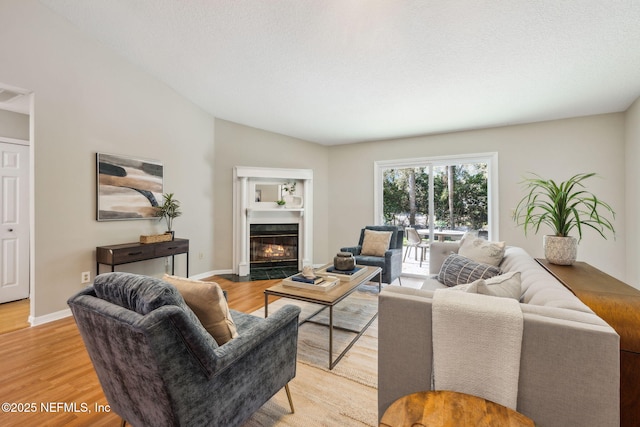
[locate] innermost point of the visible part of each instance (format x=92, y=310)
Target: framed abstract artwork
x=127, y=187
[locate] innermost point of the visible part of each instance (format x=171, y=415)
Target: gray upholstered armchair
x=391, y=262
x=158, y=366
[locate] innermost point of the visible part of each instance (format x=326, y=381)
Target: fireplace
x=256, y=213
x=273, y=249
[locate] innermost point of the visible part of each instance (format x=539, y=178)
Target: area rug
x=344, y=396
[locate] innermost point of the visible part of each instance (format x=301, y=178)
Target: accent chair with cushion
x=159, y=366
x=380, y=246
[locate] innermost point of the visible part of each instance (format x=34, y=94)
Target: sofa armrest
x=404, y=343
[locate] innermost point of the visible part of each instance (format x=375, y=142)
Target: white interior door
x=14, y=222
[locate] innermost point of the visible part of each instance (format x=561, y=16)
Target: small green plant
x=289, y=187
x=281, y=202
x=169, y=209
x=562, y=207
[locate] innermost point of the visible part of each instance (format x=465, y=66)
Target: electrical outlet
x=85, y=277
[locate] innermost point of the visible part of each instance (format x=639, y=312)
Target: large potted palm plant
x=562, y=207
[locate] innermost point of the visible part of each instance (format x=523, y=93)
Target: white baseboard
x=51, y=317
x=210, y=273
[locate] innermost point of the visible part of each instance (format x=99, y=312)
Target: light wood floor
x=14, y=316
x=49, y=367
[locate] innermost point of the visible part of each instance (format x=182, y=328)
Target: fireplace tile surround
x=250, y=209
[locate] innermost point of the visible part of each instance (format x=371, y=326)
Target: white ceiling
x=342, y=71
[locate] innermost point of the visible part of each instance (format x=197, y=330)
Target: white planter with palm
x=562, y=207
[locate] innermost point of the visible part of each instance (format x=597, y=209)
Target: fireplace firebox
x=273, y=249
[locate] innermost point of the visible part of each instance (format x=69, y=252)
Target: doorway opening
x=16, y=220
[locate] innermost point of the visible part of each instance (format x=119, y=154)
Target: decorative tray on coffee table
x=329, y=270
x=322, y=284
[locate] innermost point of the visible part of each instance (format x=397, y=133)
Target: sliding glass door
x=440, y=197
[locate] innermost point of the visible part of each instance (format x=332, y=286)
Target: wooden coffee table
x=328, y=300
x=450, y=409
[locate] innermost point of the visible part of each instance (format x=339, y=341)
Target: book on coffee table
x=342, y=275
x=324, y=285
x=311, y=280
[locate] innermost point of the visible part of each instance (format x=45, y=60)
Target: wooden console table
x=618, y=304
x=133, y=252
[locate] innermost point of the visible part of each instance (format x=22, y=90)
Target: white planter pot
x=560, y=250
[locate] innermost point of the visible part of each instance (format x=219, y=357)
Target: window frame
x=491, y=159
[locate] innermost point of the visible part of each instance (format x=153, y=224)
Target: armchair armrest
x=392, y=253
x=228, y=353
x=214, y=361
x=355, y=250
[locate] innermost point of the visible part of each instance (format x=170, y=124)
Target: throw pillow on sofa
x=458, y=270
x=375, y=243
x=207, y=301
x=503, y=286
x=481, y=250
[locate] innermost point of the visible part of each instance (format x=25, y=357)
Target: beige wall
x=632, y=180
x=556, y=149
x=238, y=145
x=88, y=100
x=14, y=125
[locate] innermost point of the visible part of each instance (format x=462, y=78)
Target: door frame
x=31, y=144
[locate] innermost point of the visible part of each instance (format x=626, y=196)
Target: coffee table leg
x=330, y=337
x=266, y=305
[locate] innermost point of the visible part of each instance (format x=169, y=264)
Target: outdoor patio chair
x=414, y=240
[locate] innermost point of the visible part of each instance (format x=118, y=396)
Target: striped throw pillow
x=458, y=270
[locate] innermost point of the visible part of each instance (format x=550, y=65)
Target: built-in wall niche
x=266, y=194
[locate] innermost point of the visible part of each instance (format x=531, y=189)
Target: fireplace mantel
x=248, y=210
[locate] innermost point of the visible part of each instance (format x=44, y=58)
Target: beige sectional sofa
x=569, y=364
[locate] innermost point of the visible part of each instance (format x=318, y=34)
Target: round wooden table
x=450, y=409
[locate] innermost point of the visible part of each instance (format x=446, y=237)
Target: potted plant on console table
x=169, y=210
x=562, y=207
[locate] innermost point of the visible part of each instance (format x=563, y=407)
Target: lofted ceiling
x=343, y=71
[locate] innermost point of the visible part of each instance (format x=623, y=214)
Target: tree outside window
x=460, y=196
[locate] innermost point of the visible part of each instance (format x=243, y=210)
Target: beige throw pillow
x=207, y=301
x=375, y=243
x=504, y=286
x=481, y=250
